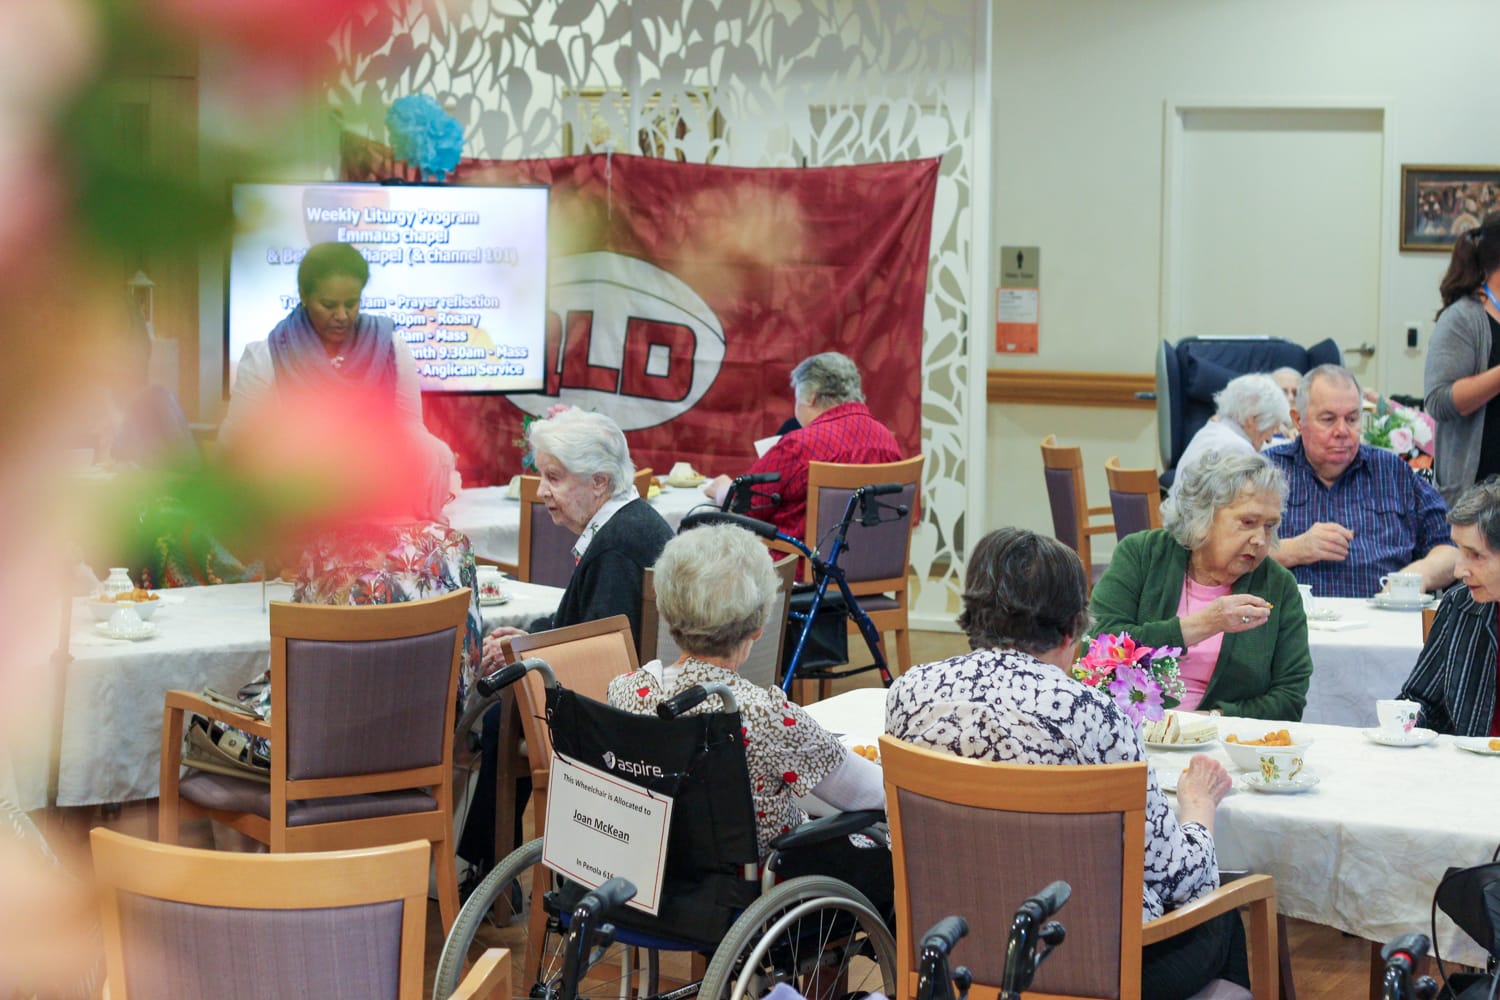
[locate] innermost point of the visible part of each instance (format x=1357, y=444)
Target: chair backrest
x=1189, y=372
x=1429, y=615
x=1083, y=824
x=1062, y=466
x=1134, y=497
x=182, y=924
x=643, y=482
x=761, y=665
x=363, y=697
x=877, y=558
x=545, y=551
x=584, y=657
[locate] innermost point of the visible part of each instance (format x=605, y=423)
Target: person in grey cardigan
x=1463, y=363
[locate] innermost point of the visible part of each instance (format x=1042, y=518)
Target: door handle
x=1365, y=350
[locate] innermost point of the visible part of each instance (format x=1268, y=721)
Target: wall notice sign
x=599, y=827
x=1018, y=301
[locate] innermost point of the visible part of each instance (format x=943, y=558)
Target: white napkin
x=1335, y=624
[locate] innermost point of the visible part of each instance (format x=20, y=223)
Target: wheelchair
x=818, y=934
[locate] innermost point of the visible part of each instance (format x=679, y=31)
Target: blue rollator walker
x=862, y=505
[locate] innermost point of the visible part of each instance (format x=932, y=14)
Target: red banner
x=681, y=296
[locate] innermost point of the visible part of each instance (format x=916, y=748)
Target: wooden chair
x=1083, y=824
x=545, y=550
x=361, y=731
x=643, y=482
x=182, y=924
x=761, y=666
x=1071, y=513
x=877, y=562
x=1134, y=497
x=585, y=658
x=1429, y=615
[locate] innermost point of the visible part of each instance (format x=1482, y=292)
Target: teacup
x=125, y=618
x=1279, y=766
x=488, y=580
x=682, y=470
x=1397, y=717
x=1309, y=602
x=1403, y=586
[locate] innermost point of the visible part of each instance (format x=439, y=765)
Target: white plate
x=685, y=484
x=1415, y=738
x=145, y=631
x=1387, y=602
x=1201, y=745
x=492, y=601
x=1475, y=744
x=870, y=741
x=1301, y=783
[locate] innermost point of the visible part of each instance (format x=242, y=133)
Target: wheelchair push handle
x=510, y=673
x=693, y=697
x=605, y=899
x=945, y=934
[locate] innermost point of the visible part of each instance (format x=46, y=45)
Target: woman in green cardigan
x=1203, y=583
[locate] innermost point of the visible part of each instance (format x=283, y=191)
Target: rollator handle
x=605, y=899
x=1408, y=948
x=500, y=679
x=945, y=934
x=761, y=528
x=881, y=489
x=1047, y=902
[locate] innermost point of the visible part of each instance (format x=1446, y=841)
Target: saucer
x=1301, y=783
x=145, y=630
x=1415, y=738
x=493, y=600
x=1324, y=615
x=1390, y=602
x=683, y=483
x=1475, y=744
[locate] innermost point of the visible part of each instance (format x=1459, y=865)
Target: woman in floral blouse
x=1012, y=700
x=714, y=588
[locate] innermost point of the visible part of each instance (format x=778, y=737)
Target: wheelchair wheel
x=506, y=911
x=818, y=934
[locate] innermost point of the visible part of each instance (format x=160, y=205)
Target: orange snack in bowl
x=1495, y=745
x=1279, y=738
x=137, y=595
x=867, y=751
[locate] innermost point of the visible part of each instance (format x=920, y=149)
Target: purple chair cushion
x=366, y=707
x=1064, y=506
x=1131, y=513
x=222, y=792
x=551, y=549
x=181, y=951
x=874, y=553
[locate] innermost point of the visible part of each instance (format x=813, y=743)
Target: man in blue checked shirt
x=1354, y=513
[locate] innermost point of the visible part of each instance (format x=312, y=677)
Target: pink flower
x=555, y=409
x=1401, y=440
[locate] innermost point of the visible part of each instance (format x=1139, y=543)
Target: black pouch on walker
x=828, y=642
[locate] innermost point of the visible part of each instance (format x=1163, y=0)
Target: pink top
x=1197, y=663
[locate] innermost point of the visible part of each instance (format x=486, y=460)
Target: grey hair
x=1334, y=373
x=1218, y=480
x=1253, y=399
x=827, y=380
x=1480, y=504
x=587, y=444
x=714, y=587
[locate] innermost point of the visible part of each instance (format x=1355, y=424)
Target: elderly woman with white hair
x=1203, y=583
x=715, y=589
x=588, y=485
x=1251, y=409
x=837, y=426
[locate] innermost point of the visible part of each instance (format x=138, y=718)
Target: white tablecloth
x=1362, y=852
x=493, y=521
x=1352, y=667
x=217, y=637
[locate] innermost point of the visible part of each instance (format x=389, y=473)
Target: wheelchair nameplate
x=599, y=827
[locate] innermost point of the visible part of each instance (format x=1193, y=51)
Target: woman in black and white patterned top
x=1012, y=700
x=714, y=587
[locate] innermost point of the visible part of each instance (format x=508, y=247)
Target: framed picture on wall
x=1439, y=204
x=597, y=120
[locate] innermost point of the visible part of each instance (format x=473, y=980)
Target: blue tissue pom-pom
x=425, y=136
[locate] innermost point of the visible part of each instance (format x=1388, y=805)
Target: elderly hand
x=493, y=652
x=1200, y=789
x=1325, y=541
x=716, y=487
x=1229, y=614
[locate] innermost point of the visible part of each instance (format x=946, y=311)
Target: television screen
x=462, y=272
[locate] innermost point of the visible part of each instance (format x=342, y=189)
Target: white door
x=1273, y=225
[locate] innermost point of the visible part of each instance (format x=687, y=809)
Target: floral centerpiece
x=1143, y=680
x=1406, y=431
